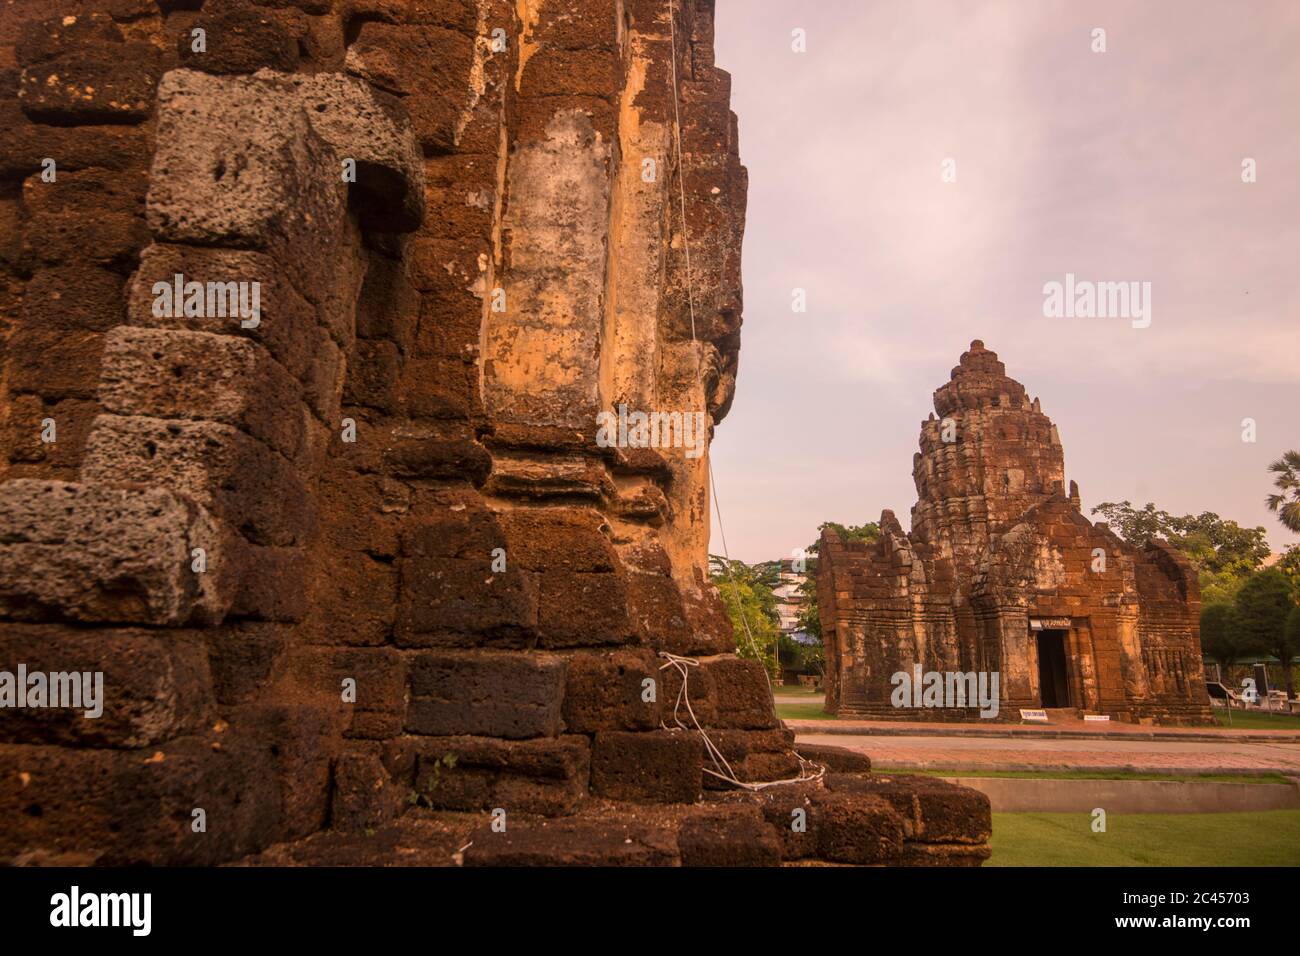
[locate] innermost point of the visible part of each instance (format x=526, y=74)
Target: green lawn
x=801, y=712
x=792, y=703
x=1249, y=720
x=1270, y=838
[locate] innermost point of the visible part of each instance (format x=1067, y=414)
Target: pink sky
x=1115, y=166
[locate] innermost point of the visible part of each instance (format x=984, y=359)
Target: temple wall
x=318, y=550
x=996, y=543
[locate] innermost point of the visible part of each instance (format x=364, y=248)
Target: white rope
x=683, y=664
x=723, y=769
x=690, y=301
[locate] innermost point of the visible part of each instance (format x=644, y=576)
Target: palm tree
x=1287, y=502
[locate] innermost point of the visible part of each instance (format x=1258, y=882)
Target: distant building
x=790, y=600
x=1001, y=574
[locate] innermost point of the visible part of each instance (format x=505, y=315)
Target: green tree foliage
x=1214, y=545
x=746, y=592
x=809, y=621
x=1289, y=564
x=1222, y=636
x=1264, y=606
x=1286, y=502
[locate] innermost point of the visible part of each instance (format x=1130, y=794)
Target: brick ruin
x=357, y=574
x=1001, y=573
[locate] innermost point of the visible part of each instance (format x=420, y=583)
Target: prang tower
x=1002, y=573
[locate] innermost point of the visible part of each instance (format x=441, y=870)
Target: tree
x=1222, y=637
x=1289, y=564
x=1264, y=606
x=1137, y=526
x=1287, y=500
x=1214, y=545
x=746, y=592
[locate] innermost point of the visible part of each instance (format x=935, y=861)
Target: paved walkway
x=1059, y=728
x=1117, y=752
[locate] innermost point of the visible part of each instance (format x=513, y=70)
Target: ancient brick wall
x=996, y=543
x=354, y=560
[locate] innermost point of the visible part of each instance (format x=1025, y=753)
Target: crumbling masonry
x=360, y=580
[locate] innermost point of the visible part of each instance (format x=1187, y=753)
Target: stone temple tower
x=987, y=455
x=1001, y=573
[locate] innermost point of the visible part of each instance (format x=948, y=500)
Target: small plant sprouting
x=420, y=798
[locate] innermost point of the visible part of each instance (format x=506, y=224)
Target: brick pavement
x=969, y=752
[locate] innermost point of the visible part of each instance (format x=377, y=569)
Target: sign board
x=1038, y=715
x=1098, y=717
x=1049, y=623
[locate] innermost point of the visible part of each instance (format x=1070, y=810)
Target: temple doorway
x=1053, y=681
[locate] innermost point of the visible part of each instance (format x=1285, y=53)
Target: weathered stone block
x=546, y=775
x=428, y=66
x=197, y=375
x=657, y=610
x=364, y=796
x=358, y=605
x=123, y=807
x=286, y=320
x=77, y=296
x=558, y=539
x=378, y=675
x=298, y=742
x=555, y=72
x=241, y=38
x=651, y=767
x=373, y=376
x=728, y=836
x=574, y=843
x=54, y=363
x=439, y=458
x=936, y=811
x=82, y=70
x=471, y=534
x=607, y=692
x=739, y=691
x=856, y=828
x=90, y=233
x=94, y=553
x=154, y=685
x=362, y=124
x=461, y=602
x=583, y=610
x=836, y=759
x=239, y=164
x=485, y=694
x=241, y=655
x=232, y=475
x=273, y=582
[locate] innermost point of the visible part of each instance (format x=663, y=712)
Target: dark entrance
x=1053, y=684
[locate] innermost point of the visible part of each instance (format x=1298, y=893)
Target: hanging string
x=808, y=770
